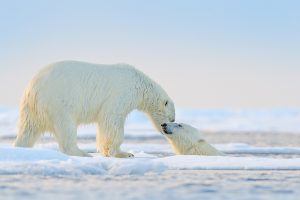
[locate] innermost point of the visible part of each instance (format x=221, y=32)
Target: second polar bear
x=187, y=140
x=66, y=94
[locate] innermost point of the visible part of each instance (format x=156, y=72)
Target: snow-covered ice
x=47, y=159
x=247, y=169
x=158, y=157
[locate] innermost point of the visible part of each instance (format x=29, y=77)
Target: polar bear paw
x=75, y=152
x=115, y=152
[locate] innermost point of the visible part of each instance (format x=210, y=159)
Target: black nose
x=164, y=125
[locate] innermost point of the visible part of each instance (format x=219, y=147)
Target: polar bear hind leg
x=28, y=134
x=65, y=132
x=29, y=129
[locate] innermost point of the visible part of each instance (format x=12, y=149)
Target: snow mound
x=29, y=154
x=44, y=161
x=51, y=162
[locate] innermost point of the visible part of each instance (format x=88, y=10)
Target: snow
x=230, y=148
x=51, y=162
x=29, y=154
x=242, y=148
x=228, y=163
x=250, y=169
x=47, y=160
x=153, y=157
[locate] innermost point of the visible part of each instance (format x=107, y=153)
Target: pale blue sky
x=206, y=54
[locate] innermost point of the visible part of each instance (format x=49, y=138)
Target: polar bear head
x=187, y=140
x=156, y=103
x=162, y=110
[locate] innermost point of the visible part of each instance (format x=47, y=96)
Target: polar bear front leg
x=109, y=139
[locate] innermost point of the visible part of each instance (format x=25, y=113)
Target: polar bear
x=66, y=94
x=187, y=140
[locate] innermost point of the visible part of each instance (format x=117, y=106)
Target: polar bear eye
x=166, y=103
x=179, y=125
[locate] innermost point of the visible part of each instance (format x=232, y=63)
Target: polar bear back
x=84, y=89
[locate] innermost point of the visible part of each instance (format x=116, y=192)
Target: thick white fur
x=66, y=94
x=187, y=140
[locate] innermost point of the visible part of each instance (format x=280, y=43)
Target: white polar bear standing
x=66, y=94
x=187, y=140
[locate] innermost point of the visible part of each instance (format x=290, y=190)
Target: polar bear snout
x=166, y=129
x=171, y=128
x=164, y=125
